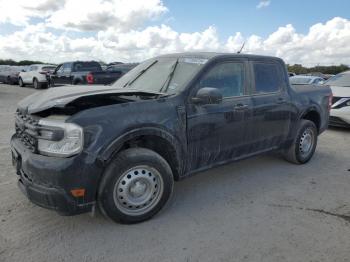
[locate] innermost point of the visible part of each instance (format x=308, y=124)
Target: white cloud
x=19, y=12
x=87, y=15
x=95, y=15
x=119, y=34
x=263, y=3
x=323, y=44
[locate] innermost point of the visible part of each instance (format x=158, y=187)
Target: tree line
x=299, y=69
x=19, y=63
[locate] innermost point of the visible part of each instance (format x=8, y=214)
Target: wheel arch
x=77, y=80
x=156, y=139
x=313, y=115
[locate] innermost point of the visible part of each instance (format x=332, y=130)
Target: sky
x=306, y=32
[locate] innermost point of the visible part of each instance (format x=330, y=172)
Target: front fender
x=109, y=151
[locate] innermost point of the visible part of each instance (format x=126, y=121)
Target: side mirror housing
x=208, y=95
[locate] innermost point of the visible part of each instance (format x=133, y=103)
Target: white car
x=35, y=75
x=340, y=110
x=306, y=80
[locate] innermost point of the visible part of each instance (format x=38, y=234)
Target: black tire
x=20, y=82
x=36, y=84
x=115, y=175
x=51, y=83
x=307, y=131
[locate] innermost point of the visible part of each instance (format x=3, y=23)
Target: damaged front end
x=49, y=149
x=49, y=136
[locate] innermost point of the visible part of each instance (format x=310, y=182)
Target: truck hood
x=61, y=96
x=340, y=91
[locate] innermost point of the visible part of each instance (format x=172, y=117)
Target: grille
x=26, y=130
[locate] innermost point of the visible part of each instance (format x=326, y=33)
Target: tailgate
x=105, y=77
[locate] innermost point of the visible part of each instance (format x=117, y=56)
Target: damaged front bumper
x=48, y=181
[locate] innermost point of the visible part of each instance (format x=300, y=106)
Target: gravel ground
x=260, y=209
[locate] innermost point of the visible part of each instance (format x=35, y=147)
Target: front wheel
x=135, y=186
x=20, y=82
x=304, y=144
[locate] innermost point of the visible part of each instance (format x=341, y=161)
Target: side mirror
x=23, y=70
x=208, y=95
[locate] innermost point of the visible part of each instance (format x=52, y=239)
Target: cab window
x=228, y=77
x=267, y=78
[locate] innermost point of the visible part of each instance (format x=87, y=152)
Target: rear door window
x=268, y=77
x=86, y=66
x=67, y=68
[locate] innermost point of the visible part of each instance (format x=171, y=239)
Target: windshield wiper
x=170, y=76
x=140, y=74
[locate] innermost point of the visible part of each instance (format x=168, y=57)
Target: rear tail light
x=330, y=99
x=90, y=78
x=43, y=72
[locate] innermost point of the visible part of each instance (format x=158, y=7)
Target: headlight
x=70, y=139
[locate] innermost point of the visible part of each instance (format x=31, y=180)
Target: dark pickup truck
x=120, y=148
x=82, y=72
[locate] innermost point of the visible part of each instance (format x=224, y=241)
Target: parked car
x=82, y=72
x=306, y=80
x=328, y=76
x=340, y=112
x=318, y=74
x=120, y=147
x=114, y=73
x=36, y=75
x=9, y=74
x=123, y=68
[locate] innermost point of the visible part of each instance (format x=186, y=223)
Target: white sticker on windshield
x=189, y=60
x=173, y=86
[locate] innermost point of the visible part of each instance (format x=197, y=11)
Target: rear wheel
x=304, y=145
x=37, y=84
x=135, y=186
x=51, y=83
x=20, y=82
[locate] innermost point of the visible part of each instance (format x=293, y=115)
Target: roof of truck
x=209, y=55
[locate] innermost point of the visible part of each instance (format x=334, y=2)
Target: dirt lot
x=260, y=209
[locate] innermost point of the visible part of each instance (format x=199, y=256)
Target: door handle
x=281, y=100
x=239, y=107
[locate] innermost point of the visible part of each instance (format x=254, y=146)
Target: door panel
x=56, y=77
x=26, y=75
x=216, y=132
x=271, y=106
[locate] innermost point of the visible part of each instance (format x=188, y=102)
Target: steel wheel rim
x=138, y=190
x=306, y=142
